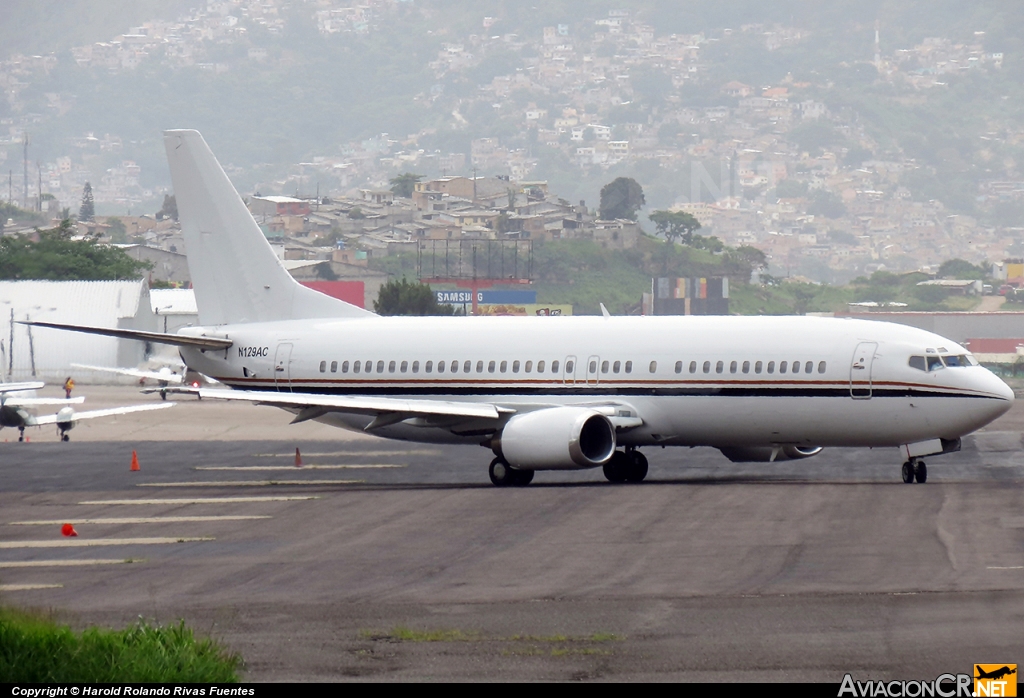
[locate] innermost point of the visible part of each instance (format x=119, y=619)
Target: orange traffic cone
x=68, y=531
x=298, y=458
x=135, y=462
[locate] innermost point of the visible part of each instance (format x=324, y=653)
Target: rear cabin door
x=569, y=370
x=860, y=370
x=283, y=367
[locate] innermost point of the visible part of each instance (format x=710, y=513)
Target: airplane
x=168, y=380
x=16, y=409
x=556, y=393
x=994, y=674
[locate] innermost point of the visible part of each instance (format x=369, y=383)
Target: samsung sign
x=463, y=297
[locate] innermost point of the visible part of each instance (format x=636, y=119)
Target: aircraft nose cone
x=998, y=389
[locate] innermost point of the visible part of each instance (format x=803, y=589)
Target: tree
x=116, y=231
x=621, y=198
x=961, y=269
x=402, y=297
x=57, y=257
x=169, y=209
x=88, y=209
x=405, y=184
x=675, y=224
x=356, y=213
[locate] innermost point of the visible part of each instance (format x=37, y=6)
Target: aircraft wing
x=136, y=373
x=178, y=340
x=43, y=401
x=387, y=410
x=14, y=387
x=110, y=412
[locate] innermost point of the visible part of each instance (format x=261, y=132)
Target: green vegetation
x=57, y=257
x=403, y=297
x=404, y=184
x=621, y=198
x=37, y=650
x=674, y=225
x=87, y=211
x=18, y=215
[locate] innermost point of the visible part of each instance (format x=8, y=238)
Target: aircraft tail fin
x=236, y=275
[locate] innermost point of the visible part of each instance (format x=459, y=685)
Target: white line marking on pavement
x=354, y=454
x=29, y=587
x=138, y=520
x=1019, y=567
x=204, y=500
x=285, y=468
x=249, y=483
x=69, y=563
x=72, y=543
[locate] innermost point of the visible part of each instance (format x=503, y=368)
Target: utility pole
x=39, y=170
x=474, y=185
x=24, y=191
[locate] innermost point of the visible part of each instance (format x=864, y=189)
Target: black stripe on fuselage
x=600, y=391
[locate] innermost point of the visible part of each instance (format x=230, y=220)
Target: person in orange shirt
x=69, y=385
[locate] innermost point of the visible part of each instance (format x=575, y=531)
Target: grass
x=36, y=649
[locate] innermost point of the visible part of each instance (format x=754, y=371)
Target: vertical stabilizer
x=235, y=273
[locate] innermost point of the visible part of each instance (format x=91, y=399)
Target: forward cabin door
x=860, y=370
x=569, y=370
x=283, y=367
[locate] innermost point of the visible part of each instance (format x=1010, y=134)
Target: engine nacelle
x=763, y=454
x=557, y=438
x=65, y=419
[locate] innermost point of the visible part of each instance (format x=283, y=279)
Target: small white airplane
x=556, y=393
x=18, y=402
x=168, y=380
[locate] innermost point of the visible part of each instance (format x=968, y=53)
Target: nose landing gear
x=504, y=475
x=915, y=470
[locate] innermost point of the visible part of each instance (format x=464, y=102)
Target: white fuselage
x=695, y=381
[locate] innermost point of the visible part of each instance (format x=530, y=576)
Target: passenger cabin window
x=570, y=366
x=604, y=367
x=356, y=366
x=757, y=367
x=554, y=367
x=616, y=366
x=706, y=367
x=440, y=366
x=782, y=367
x=429, y=367
x=415, y=366
x=540, y=367
x=380, y=367
x=746, y=367
x=490, y=367
x=808, y=367
x=323, y=367
x=391, y=367
x=821, y=367
x=455, y=366
x=405, y=366
x=503, y=367
x=344, y=366
x=515, y=367
x=479, y=366
x=467, y=366
x=367, y=367
x=528, y=366
x=629, y=367
x=592, y=368
x=732, y=367
x=771, y=367
x=334, y=367
x=679, y=366
x=719, y=367
x=693, y=367
x=654, y=366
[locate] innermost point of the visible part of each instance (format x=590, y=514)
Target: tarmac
x=384, y=561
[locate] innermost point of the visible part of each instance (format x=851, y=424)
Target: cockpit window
x=960, y=361
x=918, y=363
x=934, y=363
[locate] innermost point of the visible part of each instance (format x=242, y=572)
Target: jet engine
x=65, y=420
x=557, y=438
x=763, y=454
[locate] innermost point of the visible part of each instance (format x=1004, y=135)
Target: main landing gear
x=915, y=469
x=504, y=475
x=626, y=466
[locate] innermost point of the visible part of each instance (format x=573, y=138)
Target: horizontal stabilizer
x=167, y=377
x=15, y=387
x=178, y=340
x=363, y=405
x=43, y=401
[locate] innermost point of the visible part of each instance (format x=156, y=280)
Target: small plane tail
x=236, y=275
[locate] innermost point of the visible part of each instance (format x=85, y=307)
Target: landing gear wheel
x=921, y=472
x=617, y=467
x=637, y=470
x=163, y=394
x=21, y=434
x=908, y=472
x=65, y=437
x=501, y=473
x=522, y=477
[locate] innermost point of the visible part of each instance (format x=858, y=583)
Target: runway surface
x=385, y=561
